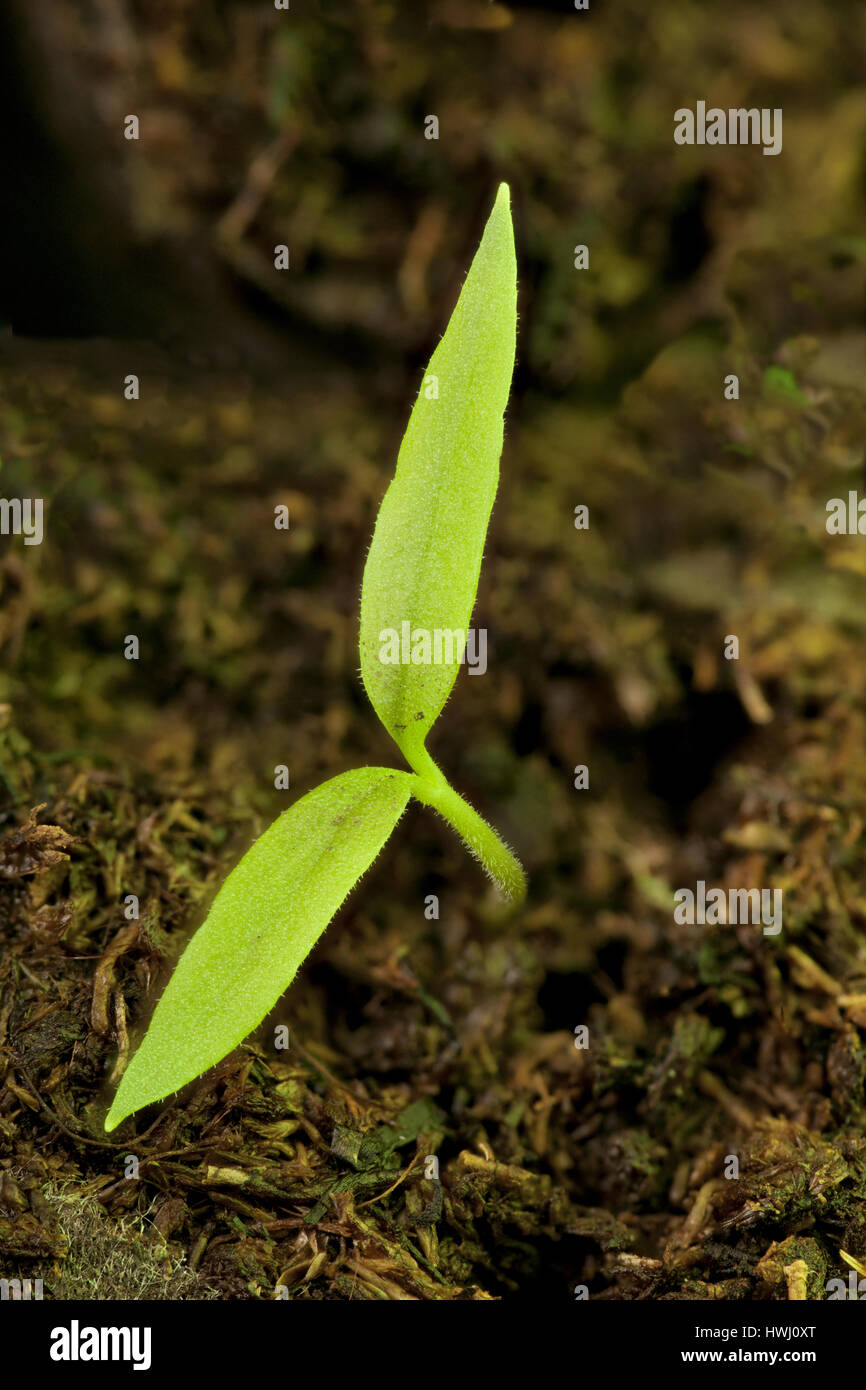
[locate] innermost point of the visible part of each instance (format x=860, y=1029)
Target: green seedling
x=421, y=577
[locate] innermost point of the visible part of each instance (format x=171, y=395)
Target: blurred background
x=155, y=257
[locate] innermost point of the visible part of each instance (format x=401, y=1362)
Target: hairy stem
x=433, y=789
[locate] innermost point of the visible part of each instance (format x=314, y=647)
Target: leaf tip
x=123, y=1105
x=113, y=1118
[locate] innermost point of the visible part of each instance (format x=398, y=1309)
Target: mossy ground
x=409, y=1037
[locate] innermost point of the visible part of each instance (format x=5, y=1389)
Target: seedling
x=422, y=570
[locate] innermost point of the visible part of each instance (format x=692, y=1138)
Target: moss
x=120, y=1259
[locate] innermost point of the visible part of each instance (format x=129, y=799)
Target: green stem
x=433, y=789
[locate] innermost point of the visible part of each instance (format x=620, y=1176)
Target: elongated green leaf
x=422, y=570
x=267, y=916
